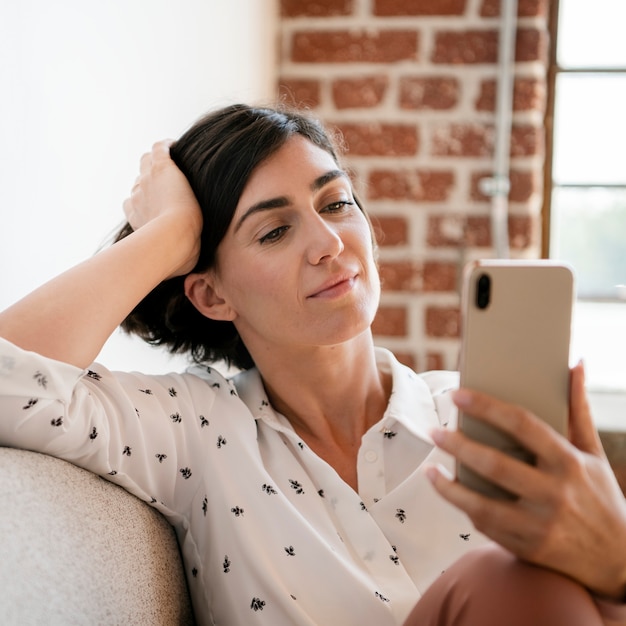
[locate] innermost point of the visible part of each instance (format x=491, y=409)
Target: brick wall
x=410, y=84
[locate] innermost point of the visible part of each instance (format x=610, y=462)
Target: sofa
x=76, y=549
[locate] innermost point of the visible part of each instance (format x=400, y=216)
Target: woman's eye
x=274, y=235
x=336, y=207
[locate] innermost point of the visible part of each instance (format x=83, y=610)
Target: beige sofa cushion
x=76, y=549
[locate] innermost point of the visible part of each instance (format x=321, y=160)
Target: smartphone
x=515, y=340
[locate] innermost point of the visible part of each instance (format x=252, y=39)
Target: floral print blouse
x=269, y=533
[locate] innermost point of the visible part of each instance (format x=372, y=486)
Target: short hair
x=217, y=155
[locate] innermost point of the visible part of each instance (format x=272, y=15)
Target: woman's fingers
x=145, y=163
x=161, y=191
x=160, y=152
x=570, y=514
x=503, y=470
x=583, y=433
x=511, y=523
x=533, y=434
x=159, y=187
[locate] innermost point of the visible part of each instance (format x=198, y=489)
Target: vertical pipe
x=499, y=185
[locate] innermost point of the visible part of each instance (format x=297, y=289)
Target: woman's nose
x=323, y=241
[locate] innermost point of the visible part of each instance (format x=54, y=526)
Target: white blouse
x=269, y=533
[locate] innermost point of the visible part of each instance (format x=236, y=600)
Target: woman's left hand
x=570, y=515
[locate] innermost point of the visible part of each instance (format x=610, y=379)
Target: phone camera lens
x=483, y=291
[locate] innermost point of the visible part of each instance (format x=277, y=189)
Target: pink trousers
x=490, y=587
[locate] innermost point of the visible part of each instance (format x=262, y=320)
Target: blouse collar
x=411, y=403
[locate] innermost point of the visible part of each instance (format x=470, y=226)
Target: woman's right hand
x=162, y=191
x=70, y=317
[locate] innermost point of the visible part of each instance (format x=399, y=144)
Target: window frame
x=607, y=401
x=553, y=71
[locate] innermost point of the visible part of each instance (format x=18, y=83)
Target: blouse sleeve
x=139, y=431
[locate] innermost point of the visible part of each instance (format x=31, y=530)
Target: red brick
x=428, y=93
x=344, y=46
x=363, y=92
x=300, y=92
x=406, y=358
x=466, y=47
x=526, y=141
x=529, y=94
x=400, y=276
x=474, y=231
x=476, y=140
x=440, y=276
x=419, y=7
x=525, y=8
x=435, y=361
x=531, y=44
x=521, y=231
x=443, y=322
x=431, y=276
x=391, y=321
x=524, y=184
x=315, y=8
x=415, y=185
x=481, y=46
x=390, y=230
x=445, y=230
x=379, y=139
x=478, y=232
x=464, y=140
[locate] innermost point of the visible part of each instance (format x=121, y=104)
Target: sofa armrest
x=76, y=549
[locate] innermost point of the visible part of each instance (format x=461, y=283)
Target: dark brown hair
x=217, y=155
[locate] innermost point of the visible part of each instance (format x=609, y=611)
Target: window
x=586, y=177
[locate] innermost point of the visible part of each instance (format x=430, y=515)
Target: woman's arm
x=70, y=317
x=570, y=515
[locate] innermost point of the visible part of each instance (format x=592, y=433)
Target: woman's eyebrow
x=324, y=179
x=282, y=201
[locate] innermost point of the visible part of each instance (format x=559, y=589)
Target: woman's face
x=296, y=267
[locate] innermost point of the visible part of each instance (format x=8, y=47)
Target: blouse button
x=371, y=456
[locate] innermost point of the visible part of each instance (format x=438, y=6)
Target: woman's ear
x=201, y=292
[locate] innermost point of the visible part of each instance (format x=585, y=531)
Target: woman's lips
x=335, y=287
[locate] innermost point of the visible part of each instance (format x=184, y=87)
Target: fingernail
x=431, y=473
x=461, y=398
x=580, y=365
x=437, y=435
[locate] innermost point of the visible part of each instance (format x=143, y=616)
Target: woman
x=301, y=491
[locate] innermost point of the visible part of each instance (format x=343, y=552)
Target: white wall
x=87, y=87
